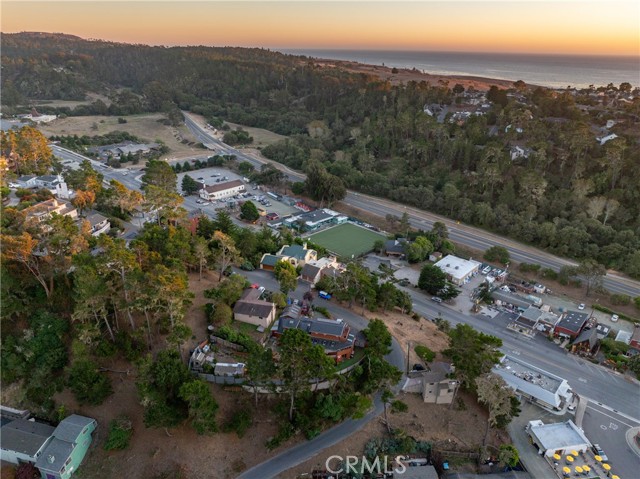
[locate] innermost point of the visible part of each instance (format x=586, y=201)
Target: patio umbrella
x=614, y=477
x=598, y=458
x=556, y=457
x=566, y=470
x=575, y=453
x=578, y=470
x=569, y=459
x=606, y=467
x=586, y=469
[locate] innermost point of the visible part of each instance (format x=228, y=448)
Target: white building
x=99, y=224
x=539, y=386
x=222, y=190
x=557, y=438
x=458, y=270
x=24, y=440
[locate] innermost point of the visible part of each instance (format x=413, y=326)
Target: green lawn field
x=347, y=239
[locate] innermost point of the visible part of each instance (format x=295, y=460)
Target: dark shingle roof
x=26, y=437
x=309, y=271
x=261, y=309
x=573, y=321
x=270, y=260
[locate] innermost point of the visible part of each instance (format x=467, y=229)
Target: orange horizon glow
x=565, y=27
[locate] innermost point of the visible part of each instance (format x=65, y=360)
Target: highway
x=471, y=237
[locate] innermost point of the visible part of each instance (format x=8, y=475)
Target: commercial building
x=571, y=324
x=313, y=220
x=557, y=438
x=459, y=271
x=539, y=386
x=222, y=190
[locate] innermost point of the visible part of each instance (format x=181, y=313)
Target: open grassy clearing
x=90, y=98
x=347, y=240
x=260, y=137
x=146, y=127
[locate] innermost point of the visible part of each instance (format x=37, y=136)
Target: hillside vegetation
x=571, y=196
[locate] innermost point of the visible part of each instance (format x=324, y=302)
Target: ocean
x=556, y=71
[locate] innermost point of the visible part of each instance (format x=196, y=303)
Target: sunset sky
x=583, y=27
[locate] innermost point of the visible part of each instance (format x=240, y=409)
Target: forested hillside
x=572, y=195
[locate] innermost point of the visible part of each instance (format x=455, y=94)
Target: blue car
x=324, y=295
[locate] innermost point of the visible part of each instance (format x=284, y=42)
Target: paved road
x=471, y=237
x=621, y=397
x=610, y=427
x=308, y=449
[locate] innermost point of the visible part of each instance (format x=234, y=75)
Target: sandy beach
x=405, y=75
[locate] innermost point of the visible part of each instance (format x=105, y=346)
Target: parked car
x=404, y=282
x=324, y=295
x=487, y=270
x=597, y=450
x=615, y=318
x=436, y=299
x=581, y=306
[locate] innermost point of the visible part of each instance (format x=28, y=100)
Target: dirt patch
x=409, y=333
x=154, y=451
x=146, y=127
x=405, y=75
x=449, y=429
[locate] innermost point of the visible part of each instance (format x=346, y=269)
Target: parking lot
x=216, y=175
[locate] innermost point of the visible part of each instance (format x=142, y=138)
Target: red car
x=255, y=285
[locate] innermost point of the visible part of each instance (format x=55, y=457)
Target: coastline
x=405, y=75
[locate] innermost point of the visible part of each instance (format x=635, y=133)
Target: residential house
x=56, y=452
x=67, y=448
x=571, y=324
x=558, y=438
x=312, y=271
x=24, y=440
x=459, y=271
x=435, y=384
x=42, y=211
x=539, y=386
x=50, y=182
x=98, y=223
x=395, y=247
x=295, y=254
x=586, y=343
x=222, y=190
x=253, y=310
x=27, y=181
x=334, y=336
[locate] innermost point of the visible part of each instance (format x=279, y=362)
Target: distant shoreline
x=406, y=75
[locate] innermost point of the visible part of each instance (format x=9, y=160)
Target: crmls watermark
x=360, y=465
